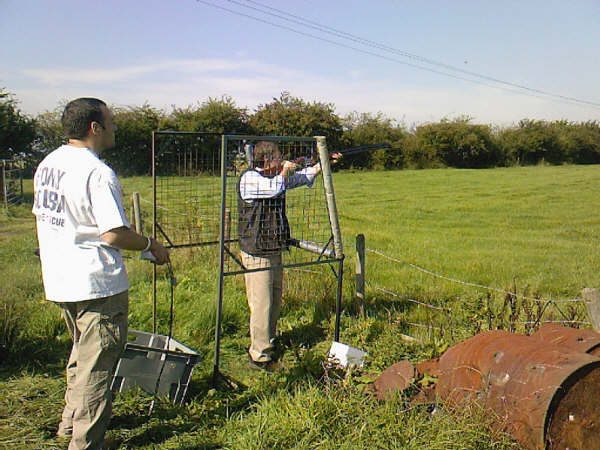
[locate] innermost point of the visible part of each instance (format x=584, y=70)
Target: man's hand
x=159, y=251
x=335, y=158
x=289, y=168
x=127, y=239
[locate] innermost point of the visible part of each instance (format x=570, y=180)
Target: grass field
x=532, y=230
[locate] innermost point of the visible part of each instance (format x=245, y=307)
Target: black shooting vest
x=263, y=227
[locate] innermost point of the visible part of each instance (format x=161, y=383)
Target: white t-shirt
x=77, y=198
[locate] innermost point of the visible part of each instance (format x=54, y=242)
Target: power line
x=339, y=44
x=523, y=90
x=326, y=29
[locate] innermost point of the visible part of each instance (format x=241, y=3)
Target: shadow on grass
x=309, y=334
x=199, y=388
x=383, y=308
x=306, y=336
x=217, y=407
x=159, y=433
x=41, y=355
x=27, y=198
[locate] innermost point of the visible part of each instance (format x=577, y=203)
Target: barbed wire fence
x=494, y=308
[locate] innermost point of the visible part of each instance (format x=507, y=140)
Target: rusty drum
x=580, y=340
x=533, y=387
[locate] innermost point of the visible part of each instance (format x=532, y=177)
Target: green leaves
x=17, y=131
x=292, y=116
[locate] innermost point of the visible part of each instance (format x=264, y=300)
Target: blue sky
x=181, y=52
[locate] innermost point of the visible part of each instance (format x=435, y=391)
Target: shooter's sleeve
x=304, y=177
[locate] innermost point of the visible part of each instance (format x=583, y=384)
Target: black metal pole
x=338, y=302
x=221, y=258
x=153, y=233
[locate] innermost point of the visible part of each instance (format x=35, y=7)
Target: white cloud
x=60, y=76
x=250, y=83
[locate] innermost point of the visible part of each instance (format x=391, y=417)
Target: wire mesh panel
x=11, y=183
x=274, y=203
x=270, y=196
x=187, y=187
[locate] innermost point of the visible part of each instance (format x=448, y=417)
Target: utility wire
x=528, y=91
x=340, y=44
x=326, y=29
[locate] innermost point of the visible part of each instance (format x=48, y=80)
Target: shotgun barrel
x=308, y=160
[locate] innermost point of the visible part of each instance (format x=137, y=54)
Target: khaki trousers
x=264, y=292
x=99, y=331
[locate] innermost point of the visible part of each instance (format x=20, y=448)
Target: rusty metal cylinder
x=524, y=380
x=576, y=339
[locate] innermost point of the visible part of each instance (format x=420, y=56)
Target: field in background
x=532, y=230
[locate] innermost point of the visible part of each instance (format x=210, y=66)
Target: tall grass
x=28, y=326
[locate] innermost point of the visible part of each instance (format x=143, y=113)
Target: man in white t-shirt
x=81, y=227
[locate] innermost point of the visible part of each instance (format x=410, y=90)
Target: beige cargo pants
x=99, y=331
x=264, y=292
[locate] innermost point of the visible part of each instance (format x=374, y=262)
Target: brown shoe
x=267, y=366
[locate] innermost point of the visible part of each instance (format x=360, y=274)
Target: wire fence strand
x=534, y=312
x=468, y=283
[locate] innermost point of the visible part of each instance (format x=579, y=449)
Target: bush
x=132, y=153
x=454, y=143
x=214, y=115
x=531, y=142
x=292, y=116
x=579, y=142
x=365, y=129
x=17, y=131
x=49, y=132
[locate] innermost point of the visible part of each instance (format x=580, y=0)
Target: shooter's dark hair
x=264, y=151
x=79, y=114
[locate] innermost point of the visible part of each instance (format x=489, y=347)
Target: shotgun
x=305, y=161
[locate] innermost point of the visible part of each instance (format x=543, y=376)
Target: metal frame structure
x=11, y=183
x=329, y=252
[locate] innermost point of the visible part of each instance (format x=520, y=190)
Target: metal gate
x=11, y=182
x=196, y=195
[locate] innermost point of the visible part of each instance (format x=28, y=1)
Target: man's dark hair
x=79, y=114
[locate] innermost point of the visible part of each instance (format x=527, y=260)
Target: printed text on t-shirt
x=48, y=196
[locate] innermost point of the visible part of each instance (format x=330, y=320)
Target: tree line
x=448, y=143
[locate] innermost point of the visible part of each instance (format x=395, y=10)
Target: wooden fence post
x=360, y=272
x=591, y=298
x=132, y=213
x=137, y=213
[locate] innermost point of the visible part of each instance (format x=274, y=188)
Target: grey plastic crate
x=141, y=363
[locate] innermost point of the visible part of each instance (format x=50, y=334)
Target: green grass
x=532, y=229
